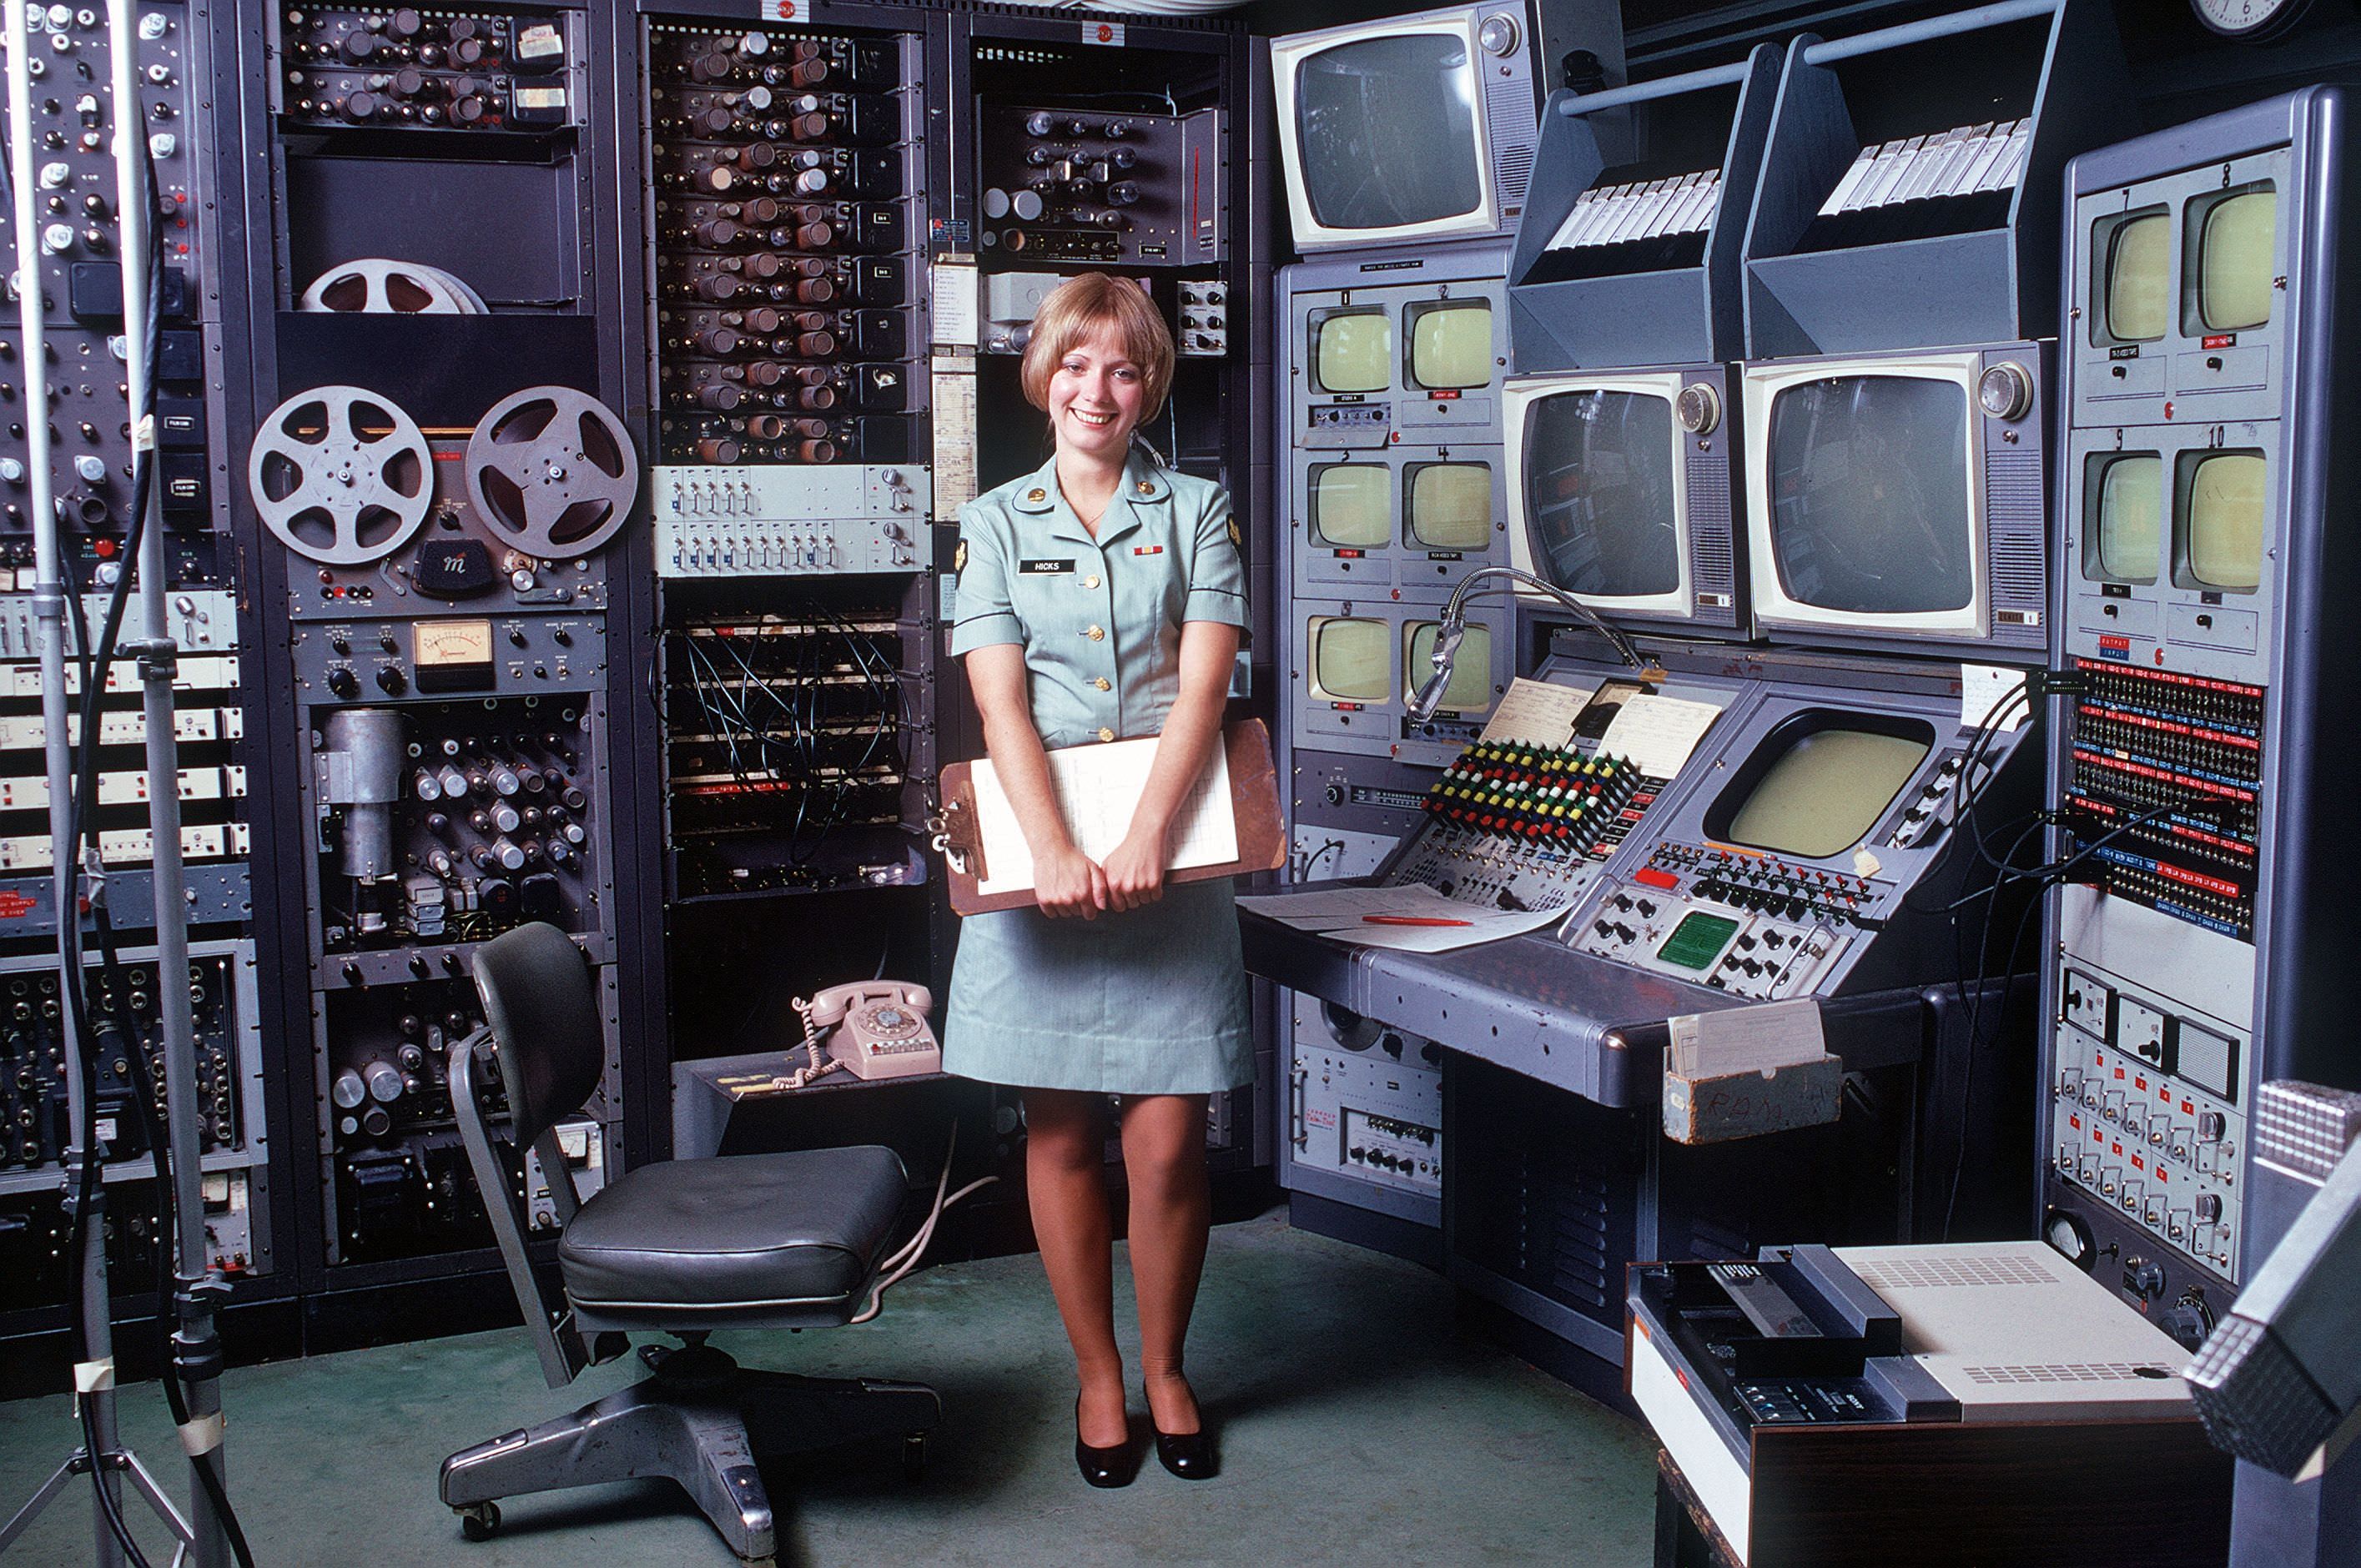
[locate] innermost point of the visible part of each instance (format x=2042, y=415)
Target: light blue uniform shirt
x=1149, y=1001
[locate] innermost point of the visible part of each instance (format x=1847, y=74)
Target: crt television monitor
x=1818, y=781
x=1620, y=492
x=1352, y=658
x=1408, y=128
x=1898, y=500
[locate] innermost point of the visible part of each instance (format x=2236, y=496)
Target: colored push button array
x=1777, y=888
x=1538, y=795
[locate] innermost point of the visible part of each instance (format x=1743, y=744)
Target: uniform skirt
x=1149, y=1001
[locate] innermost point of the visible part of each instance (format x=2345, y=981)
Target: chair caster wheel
x=478, y=1522
x=913, y=1456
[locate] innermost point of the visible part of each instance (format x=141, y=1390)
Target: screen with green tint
x=2221, y=521
x=2125, y=545
x=2139, y=278
x=2235, y=275
x=1350, y=660
x=1354, y=352
x=1469, y=690
x=1451, y=346
x=1352, y=506
x=1825, y=791
x=1697, y=940
x=1451, y=506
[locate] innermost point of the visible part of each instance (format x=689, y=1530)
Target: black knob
x=342, y=683
x=390, y=680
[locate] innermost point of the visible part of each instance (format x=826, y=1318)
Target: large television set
x=1408, y=128
x=1620, y=493
x=1897, y=500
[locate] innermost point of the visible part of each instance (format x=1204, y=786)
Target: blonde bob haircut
x=1081, y=308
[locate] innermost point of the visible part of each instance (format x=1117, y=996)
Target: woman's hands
x=1134, y=872
x=1068, y=884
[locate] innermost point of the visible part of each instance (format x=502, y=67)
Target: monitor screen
x=2138, y=277
x=1600, y=493
x=1351, y=661
x=1469, y=690
x=1870, y=477
x=1352, y=506
x=1451, y=506
x=1352, y=351
x=1825, y=790
x=1386, y=131
x=2233, y=249
x=2220, y=521
x=1451, y=346
x=2125, y=522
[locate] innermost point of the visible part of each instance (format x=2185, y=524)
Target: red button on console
x=1656, y=878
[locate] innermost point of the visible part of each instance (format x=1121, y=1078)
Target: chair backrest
x=542, y=1003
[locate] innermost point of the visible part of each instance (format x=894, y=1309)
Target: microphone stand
x=1454, y=626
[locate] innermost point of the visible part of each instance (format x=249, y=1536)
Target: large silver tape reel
x=341, y=475
x=381, y=285
x=552, y=472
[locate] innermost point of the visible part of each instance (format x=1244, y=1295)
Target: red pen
x=1410, y=920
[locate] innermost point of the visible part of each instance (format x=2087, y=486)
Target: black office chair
x=747, y=1241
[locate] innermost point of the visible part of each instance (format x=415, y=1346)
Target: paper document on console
x=1098, y=787
x=1658, y=732
x=1763, y=1037
x=1537, y=713
x=1413, y=917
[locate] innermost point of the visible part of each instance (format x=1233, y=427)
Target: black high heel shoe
x=1107, y=1468
x=1190, y=1456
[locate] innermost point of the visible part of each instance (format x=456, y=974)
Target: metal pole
x=1662, y=87
x=97, y=1357
x=196, y=1355
x=1967, y=21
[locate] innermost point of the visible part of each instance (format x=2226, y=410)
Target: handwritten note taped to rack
x=1537, y=713
x=1983, y=691
x=1097, y=788
x=1658, y=732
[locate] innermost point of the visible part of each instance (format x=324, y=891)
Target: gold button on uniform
x=1106, y=734
x=1095, y=634
x=1090, y=581
x=1103, y=683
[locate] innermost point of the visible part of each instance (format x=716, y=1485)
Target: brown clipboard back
x=1253, y=800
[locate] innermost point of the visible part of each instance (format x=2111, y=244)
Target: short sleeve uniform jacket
x=1149, y=1001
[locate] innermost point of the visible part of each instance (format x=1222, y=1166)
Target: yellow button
x=1106, y=734
x=1090, y=581
x=1095, y=634
x=1103, y=683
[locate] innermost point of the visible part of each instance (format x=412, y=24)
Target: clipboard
x=1254, y=804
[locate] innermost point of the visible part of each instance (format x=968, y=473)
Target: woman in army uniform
x=1099, y=598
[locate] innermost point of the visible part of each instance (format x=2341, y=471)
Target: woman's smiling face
x=1096, y=397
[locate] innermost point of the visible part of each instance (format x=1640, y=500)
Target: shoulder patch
x=959, y=557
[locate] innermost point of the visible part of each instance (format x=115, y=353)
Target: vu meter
x=451, y=655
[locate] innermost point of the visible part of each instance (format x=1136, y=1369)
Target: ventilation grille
x=1912, y=1274
x=2020, y=544
x=1509, y=119
x=1709, y=541
x=2067, y=1372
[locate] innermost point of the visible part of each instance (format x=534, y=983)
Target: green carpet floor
x=1357, y=1425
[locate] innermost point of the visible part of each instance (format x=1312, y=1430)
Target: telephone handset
x=878, y=1028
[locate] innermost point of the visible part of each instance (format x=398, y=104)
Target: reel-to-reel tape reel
x=342, y=476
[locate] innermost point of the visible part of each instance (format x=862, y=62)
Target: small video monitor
x=2220, y=501
x=1387, y=129
x=1818, y=783
x=2230, y=244
x=1352, y=351
x=1599, y=485
x=2123, y=523
x=1352, y=659
x=1469, y=690
x=2138, y=278
x=1869, y=478
x=1449, y=505
x=1451, y=344
x=1352, y=506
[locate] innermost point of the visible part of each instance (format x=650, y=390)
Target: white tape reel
x=377, y=285
x=551, y=471
x=341, y=475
